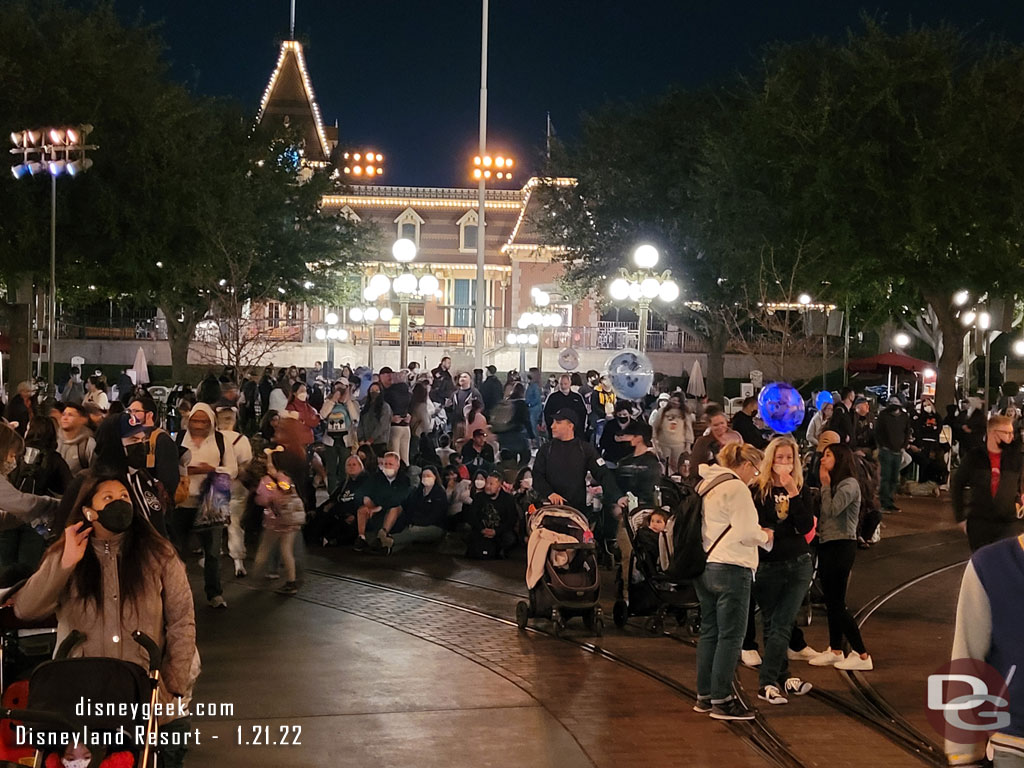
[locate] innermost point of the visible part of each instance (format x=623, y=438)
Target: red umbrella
x=888, y=362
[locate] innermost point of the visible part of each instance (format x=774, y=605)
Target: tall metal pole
x=369, y=355
x=642, y=337
x=522, y=358
x=988, y=369
x=824, y=352
x=846, y=346
x=404, y=331
x=540, y=350
x=481, y=231
x=51, y=325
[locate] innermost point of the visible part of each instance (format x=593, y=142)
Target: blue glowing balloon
x=631, y=373
x=823, y=398
x=781, y=407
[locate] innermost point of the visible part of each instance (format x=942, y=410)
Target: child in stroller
x=561, y=570
x=648, y=593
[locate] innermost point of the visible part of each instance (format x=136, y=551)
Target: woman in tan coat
x=110, y=574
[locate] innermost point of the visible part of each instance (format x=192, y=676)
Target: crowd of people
x=106, y=483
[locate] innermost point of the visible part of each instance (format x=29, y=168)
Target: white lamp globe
x=511, y=338
x=556, y=320
x=369, y=294
x=386, y=314
x=380, y=284
x=541, y=298
x=650, y=288
x=960, y=298
x=332, y=333
x=804, y=299
x=635, y=292
x=669, y=291
x=404, y=250
x=371, y=314
x=646, y=256
x=332, y=318
x=901, y=340
x=321, y=334
x=356, y=315
x=533, y=339
x=619, y=289
x=984, y=320
x=522, y=338
x=1018, y=347
x=405, y=284
x=524, y=321
x=429, y=285
x=342, y=334
x=968, y=317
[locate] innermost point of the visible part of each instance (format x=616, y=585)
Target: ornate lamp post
x=368, y=316
x=331, y=332
x=536, y=318
x=643, y=285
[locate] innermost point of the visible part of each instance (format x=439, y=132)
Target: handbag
x=215, y=504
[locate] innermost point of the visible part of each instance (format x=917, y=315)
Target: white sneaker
x=806, y=654
x=794, y=686
x=750, y=658
x=218, y=602
x=854, y=663
x=772, y=695
x=826, y=659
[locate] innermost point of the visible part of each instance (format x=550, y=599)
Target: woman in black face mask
x=111, y=574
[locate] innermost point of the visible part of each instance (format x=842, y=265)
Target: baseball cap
x=860, y=399
x=131, y=424
x=566, y=414
x=827, y=438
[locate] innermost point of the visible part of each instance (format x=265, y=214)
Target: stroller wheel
x=522, y=614
x=620, y=613
x=594, y=621
x=655, y=625
x=557, y=621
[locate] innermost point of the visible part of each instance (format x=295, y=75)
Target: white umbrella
x=140, y=367
x=695, y=386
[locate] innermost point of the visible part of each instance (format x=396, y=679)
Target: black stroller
x=57, y=688
x=648, y=592
x=567, y=582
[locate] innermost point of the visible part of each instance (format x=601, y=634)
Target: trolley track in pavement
x=871, y=709
x=758, y=734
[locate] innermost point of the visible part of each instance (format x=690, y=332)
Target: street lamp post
x=369, y=316
x=57, y=150
x=643, y=286
x=523, y=340
x=975, y=321
x=537, y=318
x=481, y=237
x=331, y=333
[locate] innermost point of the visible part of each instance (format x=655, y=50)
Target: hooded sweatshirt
x=76, y=451
x=730, y=503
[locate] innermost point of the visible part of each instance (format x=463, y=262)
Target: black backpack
x=33, y=472
x=688, y=556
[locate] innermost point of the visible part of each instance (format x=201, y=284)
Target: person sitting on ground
x=478, y=453
x=492, y=521
x=648, y=538
x=335, y=521
x=444, y=450
x=383, y=497
x=459, y=491
x=424, y=513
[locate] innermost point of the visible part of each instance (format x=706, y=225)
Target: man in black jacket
x=561, y=465
x=986, y=487
x=162, y=461
x=564, y=398
x=491, y=390
x=743, y=422
x=892, y=433
x=842, y=416
x=492, y=520
x=444, y=386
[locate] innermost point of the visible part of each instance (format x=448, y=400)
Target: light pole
x=642, y=286
x=331, y=333
x=976, y=320
x=523, y=340
x=481, y=289
x=57, y=150
x=901, y=341
x=369, y=316
x=406, y=287
x=536, y=318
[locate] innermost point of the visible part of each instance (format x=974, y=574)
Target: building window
x=468, y=231
x=463, y=295
x=409, y=223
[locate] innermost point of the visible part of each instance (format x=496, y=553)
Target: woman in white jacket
x=731, y=537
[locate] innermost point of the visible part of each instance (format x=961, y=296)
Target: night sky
x=402, y=76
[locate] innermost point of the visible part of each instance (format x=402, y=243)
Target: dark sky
x=402, y=76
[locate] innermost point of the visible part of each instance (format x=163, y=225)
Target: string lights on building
x=294, y=47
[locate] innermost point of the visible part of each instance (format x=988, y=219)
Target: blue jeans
x=890, y=463
x=724, y=593
x=779, y=589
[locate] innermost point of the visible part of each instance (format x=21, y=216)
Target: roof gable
x=289, y=95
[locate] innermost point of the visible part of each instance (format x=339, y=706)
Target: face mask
x=136, y=455
x=623, y=420
x=116, y=517
x=779, y=469
x=929, y=409
x=479, y=483
x=79, y=763
x=389, y=473
x=526, y=483
x=428, y=482
x=303, y=396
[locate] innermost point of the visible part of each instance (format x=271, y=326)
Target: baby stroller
x=561, y=570
x=649, y=593
x=57, y=688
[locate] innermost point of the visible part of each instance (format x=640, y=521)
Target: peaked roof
x=290, y=94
